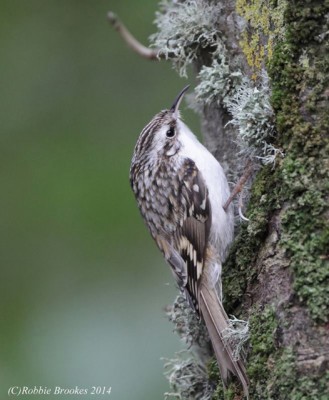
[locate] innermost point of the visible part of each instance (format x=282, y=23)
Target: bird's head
x=160, y=137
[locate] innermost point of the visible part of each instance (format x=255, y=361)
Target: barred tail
x=216, y=319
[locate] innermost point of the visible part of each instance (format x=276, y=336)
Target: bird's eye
x=170, y=132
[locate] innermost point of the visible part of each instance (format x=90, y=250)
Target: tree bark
x=277, y=272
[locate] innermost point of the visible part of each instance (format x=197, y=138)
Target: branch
x=239, y=186
x=130, y=40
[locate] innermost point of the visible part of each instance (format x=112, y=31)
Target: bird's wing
x=191, y=211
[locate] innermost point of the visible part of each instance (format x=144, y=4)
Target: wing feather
x=193, y=215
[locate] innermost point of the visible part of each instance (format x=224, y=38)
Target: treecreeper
x=181, y=189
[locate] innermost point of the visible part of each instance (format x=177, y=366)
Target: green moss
x=219, y=392
x=300, y=81
x=306, y=234
x=213, y=371
x=229, y=394
x=292, y=43
x=299, y=184
x=286, y=382
x=263, y=326
x=272, y=369
x=239, y=269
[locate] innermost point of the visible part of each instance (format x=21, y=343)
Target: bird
x=181, y=189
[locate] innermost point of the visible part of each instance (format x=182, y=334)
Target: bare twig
x=240, y=208
x=239, y=186
x=130, y=40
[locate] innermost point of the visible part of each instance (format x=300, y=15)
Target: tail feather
x=216, y=319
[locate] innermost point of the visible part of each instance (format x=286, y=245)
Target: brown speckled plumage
x=180, y=189
x=173, y=201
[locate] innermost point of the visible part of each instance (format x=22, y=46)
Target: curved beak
x=174, y=108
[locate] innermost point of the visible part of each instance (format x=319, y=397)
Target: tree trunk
x=277, y=273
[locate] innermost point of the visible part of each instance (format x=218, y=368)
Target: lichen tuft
x=188, y=379
x=185, y=29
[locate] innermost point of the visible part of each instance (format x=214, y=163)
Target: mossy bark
x=277, y=273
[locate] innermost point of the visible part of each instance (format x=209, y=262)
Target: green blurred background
x=83, y=287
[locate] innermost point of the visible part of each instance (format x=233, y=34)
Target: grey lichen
x=249, y=106
x=188, y=371
x=236, y=335
x=253, y=116
x=187, y=324
x=188, y=379
x=285, y=38
x=189, y=32
x=184, y=28
x=217, y=81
